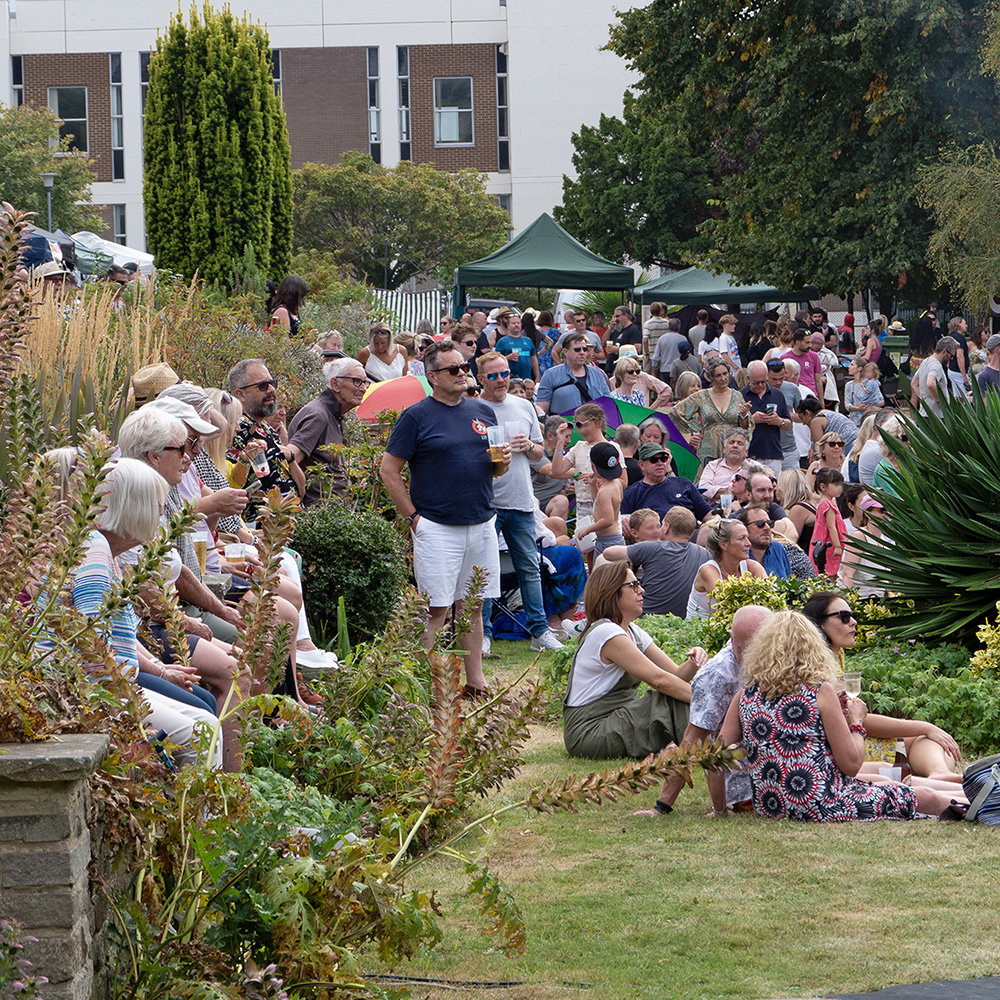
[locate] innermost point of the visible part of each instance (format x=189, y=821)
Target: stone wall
x=45, y=854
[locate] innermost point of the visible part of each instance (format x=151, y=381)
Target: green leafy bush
x=914, y=680
x=354, y=555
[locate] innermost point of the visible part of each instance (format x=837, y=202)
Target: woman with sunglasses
x=932, y=753
x=830, y=454
x=804, y=741
x=590, y=424
x=602, y=716
x=382, y=359
x=728, y=543
x=633, y=385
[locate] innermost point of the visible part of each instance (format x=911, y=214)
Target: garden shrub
x=355, y=555
x=914, y=680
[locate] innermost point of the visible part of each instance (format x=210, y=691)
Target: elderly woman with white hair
x=131, y=516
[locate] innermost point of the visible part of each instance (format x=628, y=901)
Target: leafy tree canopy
x=639, y=193
x=389, y=225
x=29, y=141
x=818, y=116
x=218, y=173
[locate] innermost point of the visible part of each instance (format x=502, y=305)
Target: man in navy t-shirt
x=660, y=492
x=449, y=503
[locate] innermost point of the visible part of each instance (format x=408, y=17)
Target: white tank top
x=699, y=604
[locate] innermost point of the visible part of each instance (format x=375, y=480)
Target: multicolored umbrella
x=618, y=412
x=395, y=394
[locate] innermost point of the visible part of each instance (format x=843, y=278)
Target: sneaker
x=545, y=641
x=560, y=633
x=573, y=626
x=317, y=659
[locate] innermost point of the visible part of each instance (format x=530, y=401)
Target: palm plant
x=944, y=522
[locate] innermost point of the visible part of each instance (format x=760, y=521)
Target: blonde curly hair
x=786, y=653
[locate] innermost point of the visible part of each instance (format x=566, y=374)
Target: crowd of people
x=787, y=452
x=486, y=469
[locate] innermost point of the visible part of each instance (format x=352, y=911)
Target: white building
x=460, y=83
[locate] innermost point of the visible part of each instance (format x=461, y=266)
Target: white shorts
x=444, y=556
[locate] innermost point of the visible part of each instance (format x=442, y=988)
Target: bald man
x=712, y=692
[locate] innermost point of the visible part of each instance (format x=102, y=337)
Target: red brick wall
x=90, y=70
x=325, y=93
x=477, y=61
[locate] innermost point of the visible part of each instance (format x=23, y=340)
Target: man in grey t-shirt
x=514, y=499
x=668, y=566
x=931, y=383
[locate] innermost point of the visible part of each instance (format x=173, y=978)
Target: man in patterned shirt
x=712, y=690
x=251, y=383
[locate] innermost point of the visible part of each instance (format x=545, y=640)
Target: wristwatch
x=409, y=517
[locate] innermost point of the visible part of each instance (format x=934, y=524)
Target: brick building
x=457, y=83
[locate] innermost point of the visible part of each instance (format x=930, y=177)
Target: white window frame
x=66, y=121
x=440, y=113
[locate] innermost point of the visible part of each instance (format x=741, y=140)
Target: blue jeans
x=518, y=527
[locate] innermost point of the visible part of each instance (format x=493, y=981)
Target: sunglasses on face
x=762, y=522
x=657, y=459
x=454, y=369
x=263, y=385
x=175, y=447
x=578, y=350
x=493, y=376
x=634, y=584
x=845, y=616
x=739, y=478
x=835, y=444
x=580, y=424
x=468, y=343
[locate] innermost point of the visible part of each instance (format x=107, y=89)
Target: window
x=117, y=118
x=453, y=111
x=144, y=78
x=276, y=70
x=403, y=81
x=70, y=104
x=17, y=80
x=503, y=111
x=118, y=215
x=374, y=115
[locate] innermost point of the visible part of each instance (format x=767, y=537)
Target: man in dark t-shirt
x=660, y=492
x=449, y=502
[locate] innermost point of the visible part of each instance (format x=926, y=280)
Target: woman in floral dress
x=805, y=743
x=712, y=412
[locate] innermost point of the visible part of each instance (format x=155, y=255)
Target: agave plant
x=944, y=522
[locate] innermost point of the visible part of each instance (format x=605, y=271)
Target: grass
x=684, y=906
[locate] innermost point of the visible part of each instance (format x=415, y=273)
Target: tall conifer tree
x=218, y=173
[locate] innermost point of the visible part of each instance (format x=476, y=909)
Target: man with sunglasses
x=660, y=492
x=565, y=387
x=449, y=502
x=514, y=499
x=320, y=423
x=251, y=383
x=769, y=553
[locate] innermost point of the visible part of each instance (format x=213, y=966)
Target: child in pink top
x=830, y=525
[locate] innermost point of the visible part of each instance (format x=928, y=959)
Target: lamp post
x=49, y=182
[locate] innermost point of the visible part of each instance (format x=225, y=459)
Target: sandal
x=472, y=693
x=956, y=811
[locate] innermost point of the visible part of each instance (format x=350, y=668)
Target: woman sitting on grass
x=805, y=743
x=602, y=715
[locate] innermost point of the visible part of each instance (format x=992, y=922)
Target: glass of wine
x=852, y=684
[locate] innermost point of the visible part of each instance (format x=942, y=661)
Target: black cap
x=606, y=461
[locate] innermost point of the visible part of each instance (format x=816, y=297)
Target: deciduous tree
x=391, y=224
x=29, y=142
x=218, y=174
x=819, y=114
x=639, y=193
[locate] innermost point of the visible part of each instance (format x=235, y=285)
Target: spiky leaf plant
x=944, y=522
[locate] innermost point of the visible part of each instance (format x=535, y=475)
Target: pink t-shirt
x=810, y=365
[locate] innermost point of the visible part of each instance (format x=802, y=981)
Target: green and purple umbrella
x=618, y=412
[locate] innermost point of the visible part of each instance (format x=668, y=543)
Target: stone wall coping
x=61, y=758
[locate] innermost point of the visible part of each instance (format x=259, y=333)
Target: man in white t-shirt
x=931, y=383
x=514, y=498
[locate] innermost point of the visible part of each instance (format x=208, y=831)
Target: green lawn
x=689, y=907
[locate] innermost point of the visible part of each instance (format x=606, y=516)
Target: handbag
x=981, y=784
